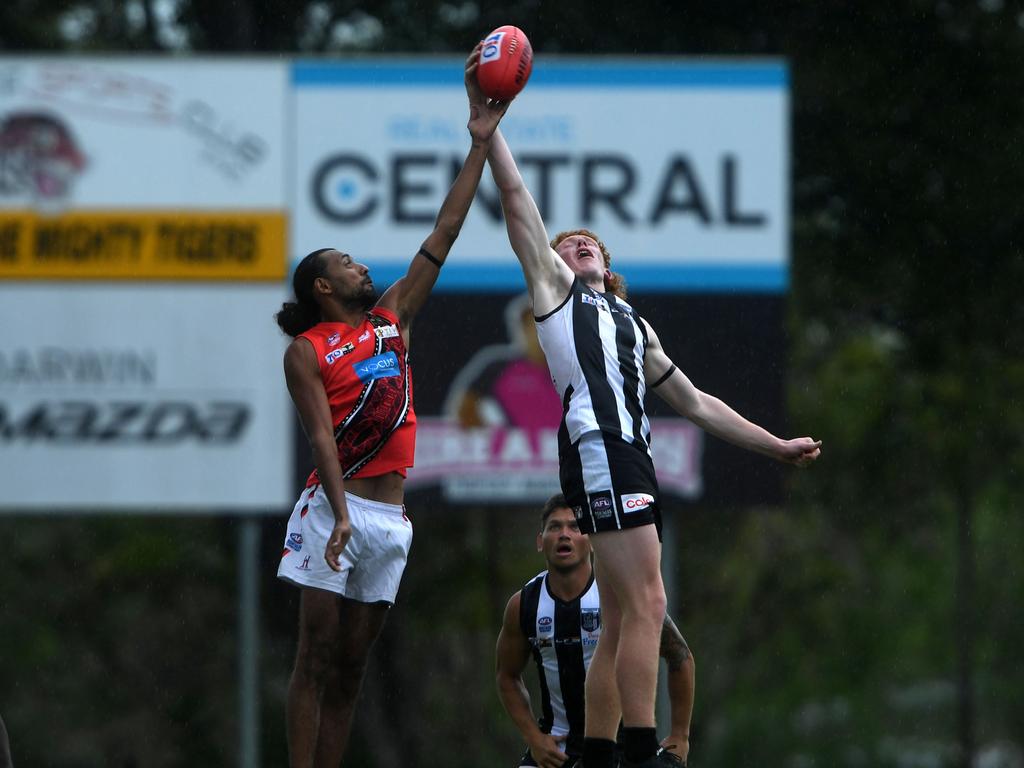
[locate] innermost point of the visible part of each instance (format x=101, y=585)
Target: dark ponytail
x=296, y=317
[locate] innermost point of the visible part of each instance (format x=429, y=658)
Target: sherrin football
x=506, y=61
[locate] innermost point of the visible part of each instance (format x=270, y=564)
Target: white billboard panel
x=142, y=397
x=162, y=390
x=143, y=133
x=680, y=167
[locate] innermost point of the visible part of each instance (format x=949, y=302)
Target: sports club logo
x=634, y=502
x=386, y=332
x=492, y=48
x=590, y=619
x=39, y=157
x=601, y=504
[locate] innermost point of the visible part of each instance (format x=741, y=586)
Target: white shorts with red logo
x=372, y=562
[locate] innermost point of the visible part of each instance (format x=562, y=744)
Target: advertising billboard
x=680, y=166
x=143, y=236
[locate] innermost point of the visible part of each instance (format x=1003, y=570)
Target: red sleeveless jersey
x=366, y=375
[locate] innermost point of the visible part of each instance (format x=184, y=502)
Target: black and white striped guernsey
x=595, y=346
x=562, y=638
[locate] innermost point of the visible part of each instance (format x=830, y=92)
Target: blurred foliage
x=835, y=632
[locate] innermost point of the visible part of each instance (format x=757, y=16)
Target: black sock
x=598, y=753
x=638, y=744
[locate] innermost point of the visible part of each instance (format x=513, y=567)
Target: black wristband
x=430, y=257
x=664, y=376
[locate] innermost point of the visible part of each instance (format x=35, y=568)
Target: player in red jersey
x=348, y=373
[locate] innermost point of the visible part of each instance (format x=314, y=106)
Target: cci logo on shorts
x=634, y=502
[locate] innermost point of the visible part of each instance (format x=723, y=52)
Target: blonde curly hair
x=613, y=281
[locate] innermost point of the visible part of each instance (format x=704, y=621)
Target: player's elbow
x=505, y=683
x=512, y=190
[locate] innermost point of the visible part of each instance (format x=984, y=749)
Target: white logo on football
x=492, y=48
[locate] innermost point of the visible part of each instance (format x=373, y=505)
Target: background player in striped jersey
x=556, y=619
x=348, y=538
x=601, y=356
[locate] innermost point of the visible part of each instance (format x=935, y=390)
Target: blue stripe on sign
x=601, y=73
x=692, y=278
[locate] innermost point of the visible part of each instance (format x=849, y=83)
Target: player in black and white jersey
x=556, y=620
x=603, y=357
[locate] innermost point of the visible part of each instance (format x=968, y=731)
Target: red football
x=506, y=61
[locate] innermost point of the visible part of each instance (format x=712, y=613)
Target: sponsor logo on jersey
x=334, y=354
x=295, y=542
x=377, y=367
x=305, y=564
x=597, y=301
x=545, y=624
x=333, y=339
x=364, y=336
x=634, y=502
x=386, y=331
x=590, y=619
x=601, y=504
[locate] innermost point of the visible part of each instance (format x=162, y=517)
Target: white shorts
x=371, y=563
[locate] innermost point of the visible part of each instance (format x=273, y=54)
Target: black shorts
x=527, y=761
x=610, y=484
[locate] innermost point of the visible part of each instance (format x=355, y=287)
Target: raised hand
x=484, y=113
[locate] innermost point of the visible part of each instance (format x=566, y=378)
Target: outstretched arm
x=513, y=653
x=408, y=294
x=676, y=654
x=547, y=276
x=302, y=374
x=711, y=414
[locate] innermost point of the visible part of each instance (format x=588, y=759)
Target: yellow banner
x=143, y=245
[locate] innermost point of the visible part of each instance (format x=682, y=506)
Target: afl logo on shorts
x=295, y=542
x=601, y=504
x=634, y=502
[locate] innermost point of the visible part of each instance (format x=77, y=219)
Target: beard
x=362, y=299
x=369, y=297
